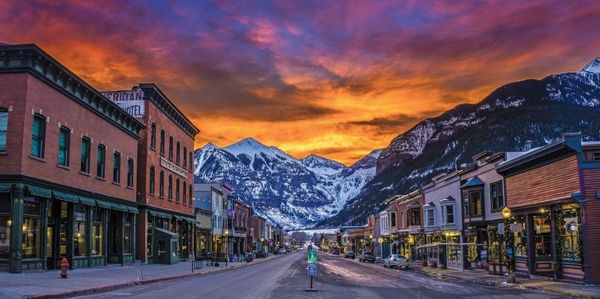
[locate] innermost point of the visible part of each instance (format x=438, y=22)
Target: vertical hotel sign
x=131, y=101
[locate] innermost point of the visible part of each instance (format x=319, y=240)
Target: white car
x=396, y=261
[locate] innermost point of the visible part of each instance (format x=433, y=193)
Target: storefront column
x=88, y=234
x=70, y=241
x=46, y=204
x=133, y=241
x=554, y=241
x=105, y=248
x=530, y=244
x=122, y=241
x=16, y=239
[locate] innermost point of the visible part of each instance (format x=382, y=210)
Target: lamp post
x=226, y=232
x=509, y=276
x=262, y=244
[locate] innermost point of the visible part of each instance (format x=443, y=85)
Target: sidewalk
x=483, y=278
x=91, y=280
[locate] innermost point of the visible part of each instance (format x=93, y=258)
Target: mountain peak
x=593, y=67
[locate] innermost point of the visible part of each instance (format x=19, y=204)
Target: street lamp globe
x=506, y=213
x=226, y=232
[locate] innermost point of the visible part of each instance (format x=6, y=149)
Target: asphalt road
x=286, y=277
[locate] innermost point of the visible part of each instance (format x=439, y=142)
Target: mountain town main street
x=337, y=278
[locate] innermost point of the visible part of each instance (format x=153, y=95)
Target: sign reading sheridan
x=131, y=101
x=172, y=167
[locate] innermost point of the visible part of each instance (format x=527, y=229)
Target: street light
x=506, y=213
x=508, y=246
x=226, y=232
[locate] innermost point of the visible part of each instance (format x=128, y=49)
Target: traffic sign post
x=312, y=267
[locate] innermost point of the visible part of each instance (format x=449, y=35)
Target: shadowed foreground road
x=337, y=278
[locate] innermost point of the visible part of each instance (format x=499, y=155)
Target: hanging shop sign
x=131, y=101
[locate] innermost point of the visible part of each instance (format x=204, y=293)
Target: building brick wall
x=591, y=183
x=547, y=183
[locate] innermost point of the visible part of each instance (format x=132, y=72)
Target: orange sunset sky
x=334, y=78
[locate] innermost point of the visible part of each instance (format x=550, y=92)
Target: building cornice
x=156, y=96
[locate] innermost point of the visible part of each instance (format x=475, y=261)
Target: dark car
x=367, y=257
x=350, y=255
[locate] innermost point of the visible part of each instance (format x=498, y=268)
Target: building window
x=101, y=161
x=130, y=171
x=184, y=201
x=170, y=187
x=162, y=142
x=429, y=217
x=596, y=156
x=177, y=190
x=473, y=203
x=117, y=168
x=31, y=226
x=85, y=155
x=38, y=134
x=448, y=214
x=190, y=193
x=177, y=153
x=3, y=128
x=98, y=232
x=153, y=136
x=161, y=184
x=152, y=179
x=497, y=196
x=171, y=148
x=79, y=221
x=542, y=236
x=570, y=234
x=415, y=217
x=64, y=136
x=127, y=234
x=5, y=225
x=191, y=160
x=184, y=157
x=393, y=219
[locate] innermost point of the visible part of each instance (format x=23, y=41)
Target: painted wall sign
x=131, y=101
x=172, y=167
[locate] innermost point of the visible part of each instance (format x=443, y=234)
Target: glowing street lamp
x=506, y=213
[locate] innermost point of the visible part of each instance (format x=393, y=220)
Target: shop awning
x=87, y=201
x=133, y=210
x=103, y=204
x=472, y=182
x=66, y=197
x=190, y=220
x=39, y=192
x=163, y=215
x=152, y=213
x=118, y=207
x=5, y=187
x=179, y=218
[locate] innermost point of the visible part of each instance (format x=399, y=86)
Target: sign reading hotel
x=172, y=167
x=131, y=101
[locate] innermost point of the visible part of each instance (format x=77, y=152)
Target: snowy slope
x=290, y=192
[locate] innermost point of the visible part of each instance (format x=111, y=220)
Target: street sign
x=312, y=256
x=312, y=269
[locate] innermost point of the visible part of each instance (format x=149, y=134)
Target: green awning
x=66, y=197
x=87, y=201
x=163, y=215
x=178, y=217
x=190, y=220
x=5, y=187
x=103, y=204
x=118, y=207
x=152, y=213
x=39, y=192
x=133, y=210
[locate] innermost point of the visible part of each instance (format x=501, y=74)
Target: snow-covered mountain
x=514, y=117
x=291, y=192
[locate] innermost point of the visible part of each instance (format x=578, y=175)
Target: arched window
x=177, y=153
x=162, y=142
x=161, y=184
x=184, y=201
x=170, y=148
x=64, y=140
x=184, y=157
x=191, y=194
x=177, y=190
x=170, y=187
x=153, y=136
x=151, y=187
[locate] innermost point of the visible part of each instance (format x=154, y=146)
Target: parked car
x=282, y=251
x=367, y=257
x=350, y=255
x=396, y=261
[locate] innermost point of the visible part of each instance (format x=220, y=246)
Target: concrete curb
x=102, y=289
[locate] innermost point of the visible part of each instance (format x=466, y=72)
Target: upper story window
x=38, y=136
x=153, y=136
x=596, y=156
x=171, y=148
x=3, y=128
x=161, y=184
x=170, y=187
x=497, y=196
x=85, y=155
x=191, y=160
x=190, y=193
x=473, y=201
x=414, y=217
x=393, y=219
x=117, y=167
x=162, y=142
x=429, y=216
x=101, y=161
x=448, y=214
x=184, y=188
x=184, y=157
x=130, y=171
x=152, y=174
x=64, y=136
x=177, y=190
x=177, y=153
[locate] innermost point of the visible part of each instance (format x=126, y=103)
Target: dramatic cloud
x=337, y=78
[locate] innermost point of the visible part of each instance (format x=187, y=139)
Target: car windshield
x=397, y=257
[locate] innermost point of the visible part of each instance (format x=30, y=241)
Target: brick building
x=165, y=172
x=241, y=227
x=67, y=167
x=553, y=194
x=410, y=226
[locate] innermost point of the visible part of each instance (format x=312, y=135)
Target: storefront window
x=150, y=234
x=542, y=238
x=570, y=234
x=79, y=222
x=31, y=226
x=520, y=237
x=5, y=224
x=98, y=232
x=127, y=234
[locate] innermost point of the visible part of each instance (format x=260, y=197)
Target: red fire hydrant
x=64, y=266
